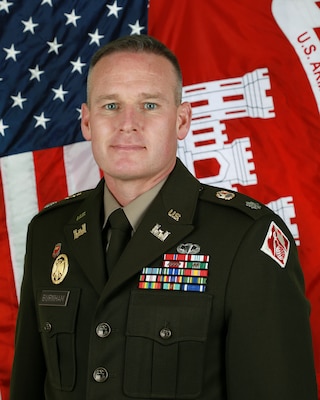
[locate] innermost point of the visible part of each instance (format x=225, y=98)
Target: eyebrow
x=142, y=96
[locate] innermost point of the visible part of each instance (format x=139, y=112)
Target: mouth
x=127, y=147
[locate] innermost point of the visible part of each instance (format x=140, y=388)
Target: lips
x=127, y=147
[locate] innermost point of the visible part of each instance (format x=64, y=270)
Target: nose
x=129, y=120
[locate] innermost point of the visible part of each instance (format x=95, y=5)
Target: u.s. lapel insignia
x=174, y=214
x=79, y=232
x=188, y=248
x=59, y=269
x=56, y=251
x=159, y=233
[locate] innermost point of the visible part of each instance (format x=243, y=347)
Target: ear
x=85, y=121
x=184, y=114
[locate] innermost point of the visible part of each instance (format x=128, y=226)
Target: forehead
x=126, y=66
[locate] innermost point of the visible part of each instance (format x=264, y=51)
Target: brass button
x=47, y=327
x=103, y=330
x=100, y=374
x=165, y=333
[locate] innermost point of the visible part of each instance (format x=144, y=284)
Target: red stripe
x=8, y=303
x=50, y=175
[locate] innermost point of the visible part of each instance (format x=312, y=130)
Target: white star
x=47, y=2
x=41, y=120
x=136, y=28
x=18, y=100
x=72, y=18
x=4, y=5
x=11, y=53
x=95, y=37
x=2, y=127
x=114, y=9
x=29, y=25
x=77, y=65
x=35, y=73
x=80, y=113
x=59, y=93
x=54, y=46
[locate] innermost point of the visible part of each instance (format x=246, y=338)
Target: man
x=206, y=300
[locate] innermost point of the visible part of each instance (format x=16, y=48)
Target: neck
x=127, y=191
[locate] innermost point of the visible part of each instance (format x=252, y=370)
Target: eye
x=111, y=106
x=150, y=106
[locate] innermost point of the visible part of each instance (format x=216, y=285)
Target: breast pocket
x=57, y=317
x=165, y=344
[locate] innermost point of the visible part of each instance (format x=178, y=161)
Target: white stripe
x=82, y=171
x=21, y=202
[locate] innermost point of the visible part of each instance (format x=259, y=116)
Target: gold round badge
x=59, y=269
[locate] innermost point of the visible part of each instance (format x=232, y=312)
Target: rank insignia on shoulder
x=276, y=245
x=225, y=195
x=59, y=269
x=253, y=205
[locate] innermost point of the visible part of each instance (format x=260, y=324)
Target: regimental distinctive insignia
x=276, y=245
x=159, y=233
x=183, y=272
x=59, y=269
x=225, y=195
x=188, y=248
x=253, y=205
x=56, y=250
x=79, y=232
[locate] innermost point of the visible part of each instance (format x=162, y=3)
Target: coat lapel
x=168, y=220
x=83, y=234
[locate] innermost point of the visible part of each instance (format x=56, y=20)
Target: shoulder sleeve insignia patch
x=276, y=245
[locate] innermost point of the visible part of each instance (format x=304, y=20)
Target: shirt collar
x=136, y=209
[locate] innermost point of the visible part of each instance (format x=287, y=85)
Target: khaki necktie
x=120, y=235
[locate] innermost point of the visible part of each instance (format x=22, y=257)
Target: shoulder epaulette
x=67, y=200
x=229, y=198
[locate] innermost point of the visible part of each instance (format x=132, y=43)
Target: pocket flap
x=168, y=317
x=57, y=310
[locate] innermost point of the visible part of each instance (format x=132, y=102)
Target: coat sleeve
x=268, y=346
x=29, y=370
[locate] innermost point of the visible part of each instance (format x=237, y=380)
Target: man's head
x=138, y=43
x=134, y=115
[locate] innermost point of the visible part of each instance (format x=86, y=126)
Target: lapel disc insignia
x=79, y=232
x=174, y=214
x=59, y=269
x=159, y=233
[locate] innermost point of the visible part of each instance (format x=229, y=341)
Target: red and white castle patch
x=276, y=245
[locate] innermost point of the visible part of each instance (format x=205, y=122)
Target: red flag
x=252, y=73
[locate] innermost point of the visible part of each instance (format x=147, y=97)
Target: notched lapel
x=167, y=222
x=83, y=233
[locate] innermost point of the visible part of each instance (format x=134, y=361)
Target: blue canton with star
x=45, y=50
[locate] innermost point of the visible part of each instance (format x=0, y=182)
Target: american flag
x=45, y=49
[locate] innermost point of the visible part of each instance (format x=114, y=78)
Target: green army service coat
x=232, y=323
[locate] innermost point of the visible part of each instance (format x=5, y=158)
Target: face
x=132, y=117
